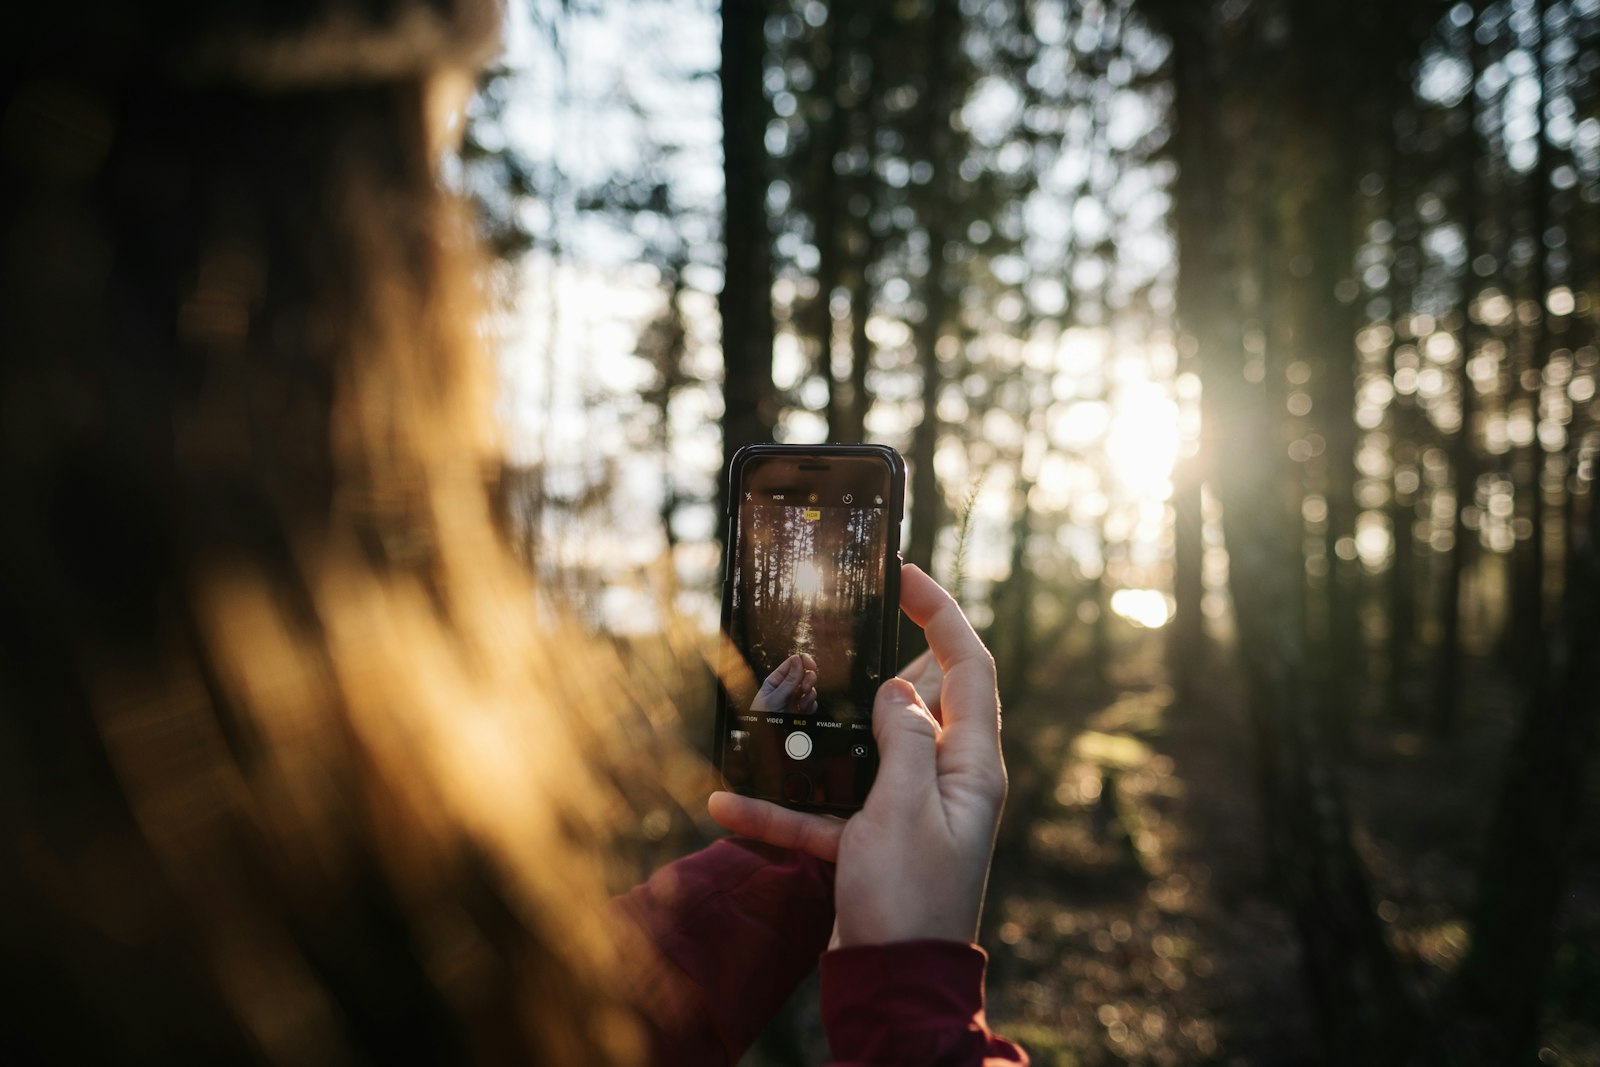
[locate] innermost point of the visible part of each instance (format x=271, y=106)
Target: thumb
x=907, y=742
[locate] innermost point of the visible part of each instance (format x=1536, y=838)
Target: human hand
x=791, y=687
x=914, y=861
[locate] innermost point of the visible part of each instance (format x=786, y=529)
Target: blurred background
x=1244, y=357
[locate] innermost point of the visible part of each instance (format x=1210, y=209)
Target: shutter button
x=798, y=745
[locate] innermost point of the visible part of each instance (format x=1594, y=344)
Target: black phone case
x=891, y=625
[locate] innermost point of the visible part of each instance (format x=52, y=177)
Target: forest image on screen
x=810, y=584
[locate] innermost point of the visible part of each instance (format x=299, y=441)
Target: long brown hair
x=289, y=767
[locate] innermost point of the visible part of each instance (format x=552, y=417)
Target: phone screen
x=812, y=609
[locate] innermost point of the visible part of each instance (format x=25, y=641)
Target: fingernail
x=900, y=690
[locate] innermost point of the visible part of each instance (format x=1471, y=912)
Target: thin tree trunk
x=1463, y=455
x=1401, y=580
x=853, y=425
x=1200, y=299
x=670, y=368
x=1010, y=637
x=1186, y=633
x=1329, y=328
x=1529, y=563
x=1100, y=633
x=829, y=191
x=927, y=504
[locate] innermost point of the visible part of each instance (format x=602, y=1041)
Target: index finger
x=970, y=706
x=765, y=821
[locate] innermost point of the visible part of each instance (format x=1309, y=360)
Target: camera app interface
x=808, y=606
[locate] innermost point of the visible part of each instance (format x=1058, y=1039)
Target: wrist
x=874, y=935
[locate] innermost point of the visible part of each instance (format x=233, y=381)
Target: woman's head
x=288, y=764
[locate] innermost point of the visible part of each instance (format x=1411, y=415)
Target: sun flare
x=1142, y=443
x=808, y=580
x=1147, y=608
x=1129, y=437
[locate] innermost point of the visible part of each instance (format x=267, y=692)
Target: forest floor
x=1131, y=918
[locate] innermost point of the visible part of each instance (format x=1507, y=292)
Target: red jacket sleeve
x=912, y=1002
x=735, y=927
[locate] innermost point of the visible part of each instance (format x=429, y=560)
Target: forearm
x=734, y=928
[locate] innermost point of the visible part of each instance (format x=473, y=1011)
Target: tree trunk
x=865, y=244
x=1318, y=231
x=853, y=427
x=1401, y=581
x=827, y=219
x=1186, y=633
x=1365, y=1011
x=927, y=503
x=672, y=338
x=1529, y=856
x=1528, y=561
x=1463, y=455
x=1099, y=594
x=1331, y=326
x=1200, y=303
x=1011, y=637
x=749, y=403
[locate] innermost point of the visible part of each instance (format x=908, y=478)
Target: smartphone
x=811, y=615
